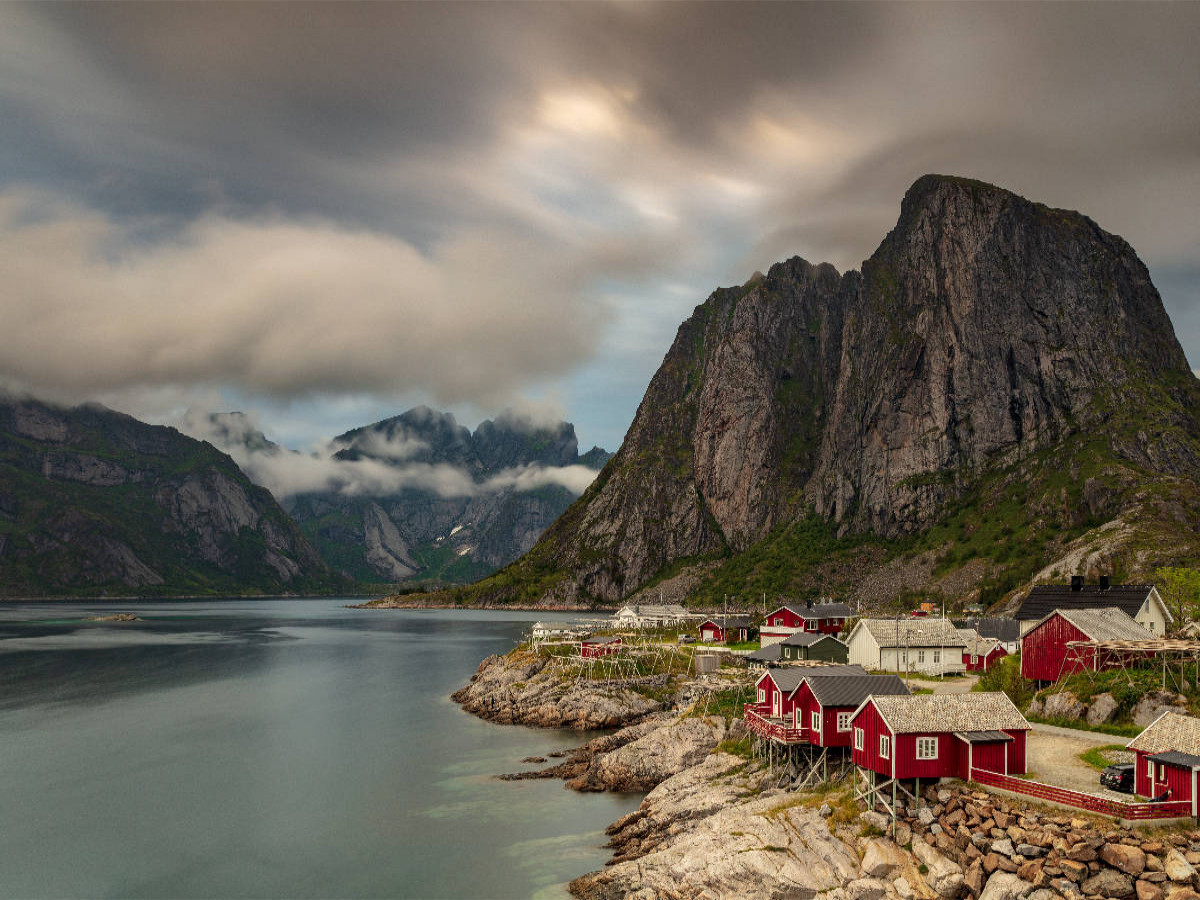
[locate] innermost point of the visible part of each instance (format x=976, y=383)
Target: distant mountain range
x=93, y=502
x=419, y=496
x=997, y=397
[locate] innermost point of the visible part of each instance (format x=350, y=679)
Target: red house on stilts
x=938, y=736
x=1046, y=656
x=823, y=707
x=1168, y=759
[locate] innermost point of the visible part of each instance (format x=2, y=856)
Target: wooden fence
x=1120, y=809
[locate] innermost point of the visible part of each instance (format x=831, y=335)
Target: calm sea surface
x=289, y=748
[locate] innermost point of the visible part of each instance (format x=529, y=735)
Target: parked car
x=687, y=639
x=1118, y=777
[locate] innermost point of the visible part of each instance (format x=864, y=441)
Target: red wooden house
x=1168, y=759
x=939, y=735
x=823, y=707
x=725, y=629
x=592, y=648
x=775, y=690
x=980, y=653
x=825, y=617
x=1045, y=655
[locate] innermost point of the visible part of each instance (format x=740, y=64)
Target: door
x=775, y=697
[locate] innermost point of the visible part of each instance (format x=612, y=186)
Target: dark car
x=1118, y=777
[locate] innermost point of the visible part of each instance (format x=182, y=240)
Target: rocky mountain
x=442, y=503
x=998, y=392
x=93, y=502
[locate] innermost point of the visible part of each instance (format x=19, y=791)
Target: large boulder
x=1063, y=705
x=1005, y=886
x=643, y=764
x=1103, y=708
x=1154, y=703
x=942, y=874
x=883, y=858
x=1130, y=860
x=1109, y=883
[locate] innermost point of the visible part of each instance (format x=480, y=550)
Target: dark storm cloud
x=544, y=183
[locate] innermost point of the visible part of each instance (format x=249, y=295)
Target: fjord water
x=273, y=748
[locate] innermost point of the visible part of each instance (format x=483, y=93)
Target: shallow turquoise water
x=289, y=748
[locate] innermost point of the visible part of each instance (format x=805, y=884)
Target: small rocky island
x=116, y=617
x=719, y=822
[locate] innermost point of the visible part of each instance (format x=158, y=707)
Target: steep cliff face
x=92, y=501
x=986, y=332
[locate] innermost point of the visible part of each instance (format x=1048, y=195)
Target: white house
x=930, y=646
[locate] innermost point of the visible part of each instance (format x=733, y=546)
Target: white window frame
x=937, y=657
x=920, y=657
x=816, y=720
x=843, y=721
x=762, y=695
x=927, y=748
x=885, y=747
x=858, y=738
x=1150, y=769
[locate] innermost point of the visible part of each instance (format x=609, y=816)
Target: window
x=885, y=747
x=920, y=656
x=816, y=720
x=1149, y=768
x=927, y=748
x=858, y=738
x=937, y=656
x=762, y=695
x=843, y=721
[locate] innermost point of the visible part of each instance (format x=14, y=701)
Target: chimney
x=1105, y=584
x=1077, y=582
x=810, y=602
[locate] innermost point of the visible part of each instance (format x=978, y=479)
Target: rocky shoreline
x=714, y=824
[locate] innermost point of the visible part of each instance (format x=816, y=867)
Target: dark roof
x=998, y=628
x=729, y=621
x=817, y=610
x=851, y=690
x=806, y=638
x=788, y=678
x=602, y=640
x=1046, y=598
x=1175, y=758
x=983, y=737
x=824, y=611
x=769, y=653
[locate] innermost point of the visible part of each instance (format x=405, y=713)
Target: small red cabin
x=776, y=689
x=823, y=707
x=725, y=629
x=592, y=648
x=980, y=653
x=1168, y=759
x=939, y=735
x=1045, y=655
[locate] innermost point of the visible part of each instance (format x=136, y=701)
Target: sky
x=325, y=214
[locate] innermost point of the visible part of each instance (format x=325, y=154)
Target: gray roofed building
x=930, y=713
x=730, y=621
x=1006, y=631
x=851, y=690
x=788, y=678
x=1141, y=602
x=924, y=632
x=1103, y=624
x=772, y=653
x=1170, y=731
x=823, y=610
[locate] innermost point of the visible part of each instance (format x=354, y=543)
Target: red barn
x=823, y=707
x=980, y=653
x=939, y=735
x=825, y=617
x=725, y=629
x=592, y=648
x=1168, y=759
x=1044, y=652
